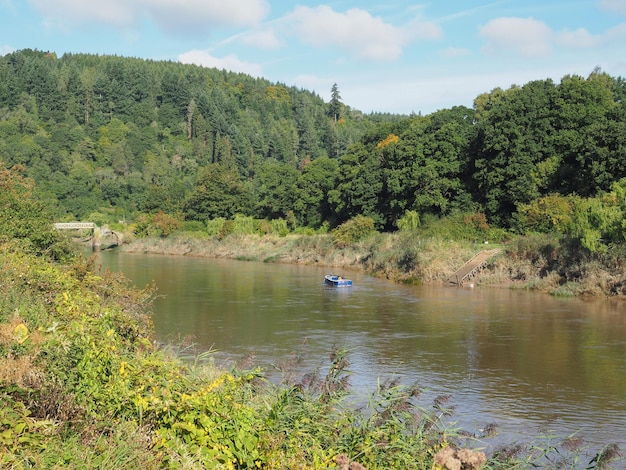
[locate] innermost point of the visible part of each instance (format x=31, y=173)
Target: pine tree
x=334, y=107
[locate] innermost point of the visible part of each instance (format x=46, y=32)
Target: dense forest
x=108, y=138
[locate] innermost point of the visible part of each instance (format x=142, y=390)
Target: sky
x=393, y=56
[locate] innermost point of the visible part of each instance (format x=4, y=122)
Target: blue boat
x=337, y=281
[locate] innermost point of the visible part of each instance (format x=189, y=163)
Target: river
x=530, y=363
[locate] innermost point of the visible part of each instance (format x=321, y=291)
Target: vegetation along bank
x=427, y=254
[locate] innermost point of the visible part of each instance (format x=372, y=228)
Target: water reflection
x=522, y=360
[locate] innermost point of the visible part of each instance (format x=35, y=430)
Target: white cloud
x=175, y=16
x=422, y=30
x=615, y=5
x=523, y=36
x=616, y=34
x=65, y=13
x=229, y=62
x=182, y=16
x=355, y=31
x=581, y=38
x=528, y=37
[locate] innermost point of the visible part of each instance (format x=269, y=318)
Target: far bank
x=543, y=263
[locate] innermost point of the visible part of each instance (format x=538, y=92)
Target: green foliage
x=471, y=227
x=550, y=213
x=409, y=222
x=194, y=226
x=280, y=227
x=25, y=219
x=227, y=228
x=213, y=422
x=276, y=186
x=335, y=106
x=359, y=185
x=516, y=139
x=217, y=192
x=544, y=139
x=244, y=225
x=125, y=136
x=423, y=167
x=18, y=429
x=311, y=205
x=110, y=131
x=596, y=222
x=156, y=225
x=354, y=230
x=214, y=226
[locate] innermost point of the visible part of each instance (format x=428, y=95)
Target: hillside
x=103, y=132
x=111, y=138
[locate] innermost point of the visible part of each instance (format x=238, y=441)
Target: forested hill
x=115, y=137
x=103, y=131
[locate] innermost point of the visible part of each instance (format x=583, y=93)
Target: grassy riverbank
x=544, y=263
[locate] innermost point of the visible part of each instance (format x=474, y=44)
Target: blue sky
x=390, y=56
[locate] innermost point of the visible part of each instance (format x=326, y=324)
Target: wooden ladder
x=469, y=269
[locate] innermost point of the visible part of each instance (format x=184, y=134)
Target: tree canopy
x=128, y=136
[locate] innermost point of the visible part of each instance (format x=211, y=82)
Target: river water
x=527, y=362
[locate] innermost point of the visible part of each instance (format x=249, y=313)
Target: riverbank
x=542, y=263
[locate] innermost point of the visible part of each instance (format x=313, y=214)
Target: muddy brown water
x=529, y=363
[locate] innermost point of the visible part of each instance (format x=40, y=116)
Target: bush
x=550, y=213
x=228, y=227
x=26, y=220
x=409, y=222
x=352, y=231
x=461, y=226
x=156, y=225
x=244, y=225
x=280, y=227
x=214, y=226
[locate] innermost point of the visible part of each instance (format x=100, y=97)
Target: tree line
x=104, y=135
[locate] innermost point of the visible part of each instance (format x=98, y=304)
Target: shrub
x=264, y=227
x=550, y=213
x=280, y=227
x=244, y=225
x=156, y=225
x=459, y=226
x=27, y=220
x=354, y=230
x=409, y=222
x=228, y=228
x=214, y=226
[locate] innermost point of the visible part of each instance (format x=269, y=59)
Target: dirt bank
x=537, y=264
